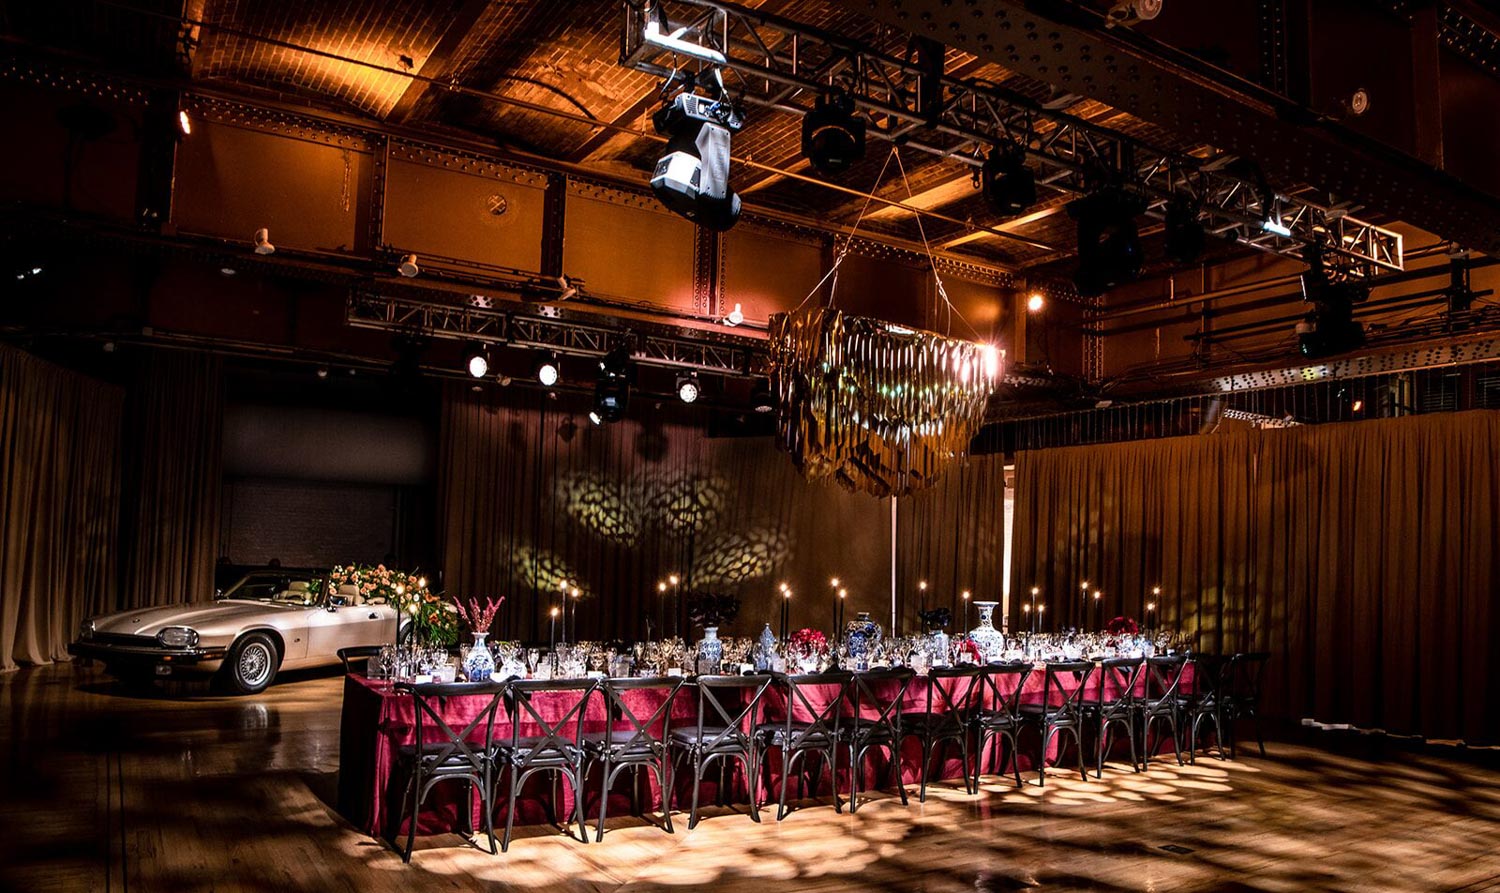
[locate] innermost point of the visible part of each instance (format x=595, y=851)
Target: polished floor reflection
x=180, y=790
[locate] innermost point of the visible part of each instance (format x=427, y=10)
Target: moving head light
x=692, y=178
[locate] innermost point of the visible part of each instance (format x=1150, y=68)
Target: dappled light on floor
x=185, y=789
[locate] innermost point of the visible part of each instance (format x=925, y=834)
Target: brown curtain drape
x=952, y=536
x=173, y=478
x=531, y=493
x=1362, y=556
x=59, y=504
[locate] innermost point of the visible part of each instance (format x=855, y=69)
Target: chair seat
x=1047, y=714
x=456, y=763
x=776, y=733
x=529, y=750
x=866, y=729
x=621, y=743
x=931, y=724
x=996, y=719
x=710, y=738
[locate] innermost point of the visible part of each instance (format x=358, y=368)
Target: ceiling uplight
x=547, y=371
x=1036, y=302
x=408, y=266
x=263, y=242
x=688, y=388
x=477, y=360
x=735, y=316
x=184, y=122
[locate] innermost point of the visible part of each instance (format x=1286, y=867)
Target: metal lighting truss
x=412, y=316
x=778, y=60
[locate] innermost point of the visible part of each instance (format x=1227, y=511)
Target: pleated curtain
x=1363, y=556
x=59, y=504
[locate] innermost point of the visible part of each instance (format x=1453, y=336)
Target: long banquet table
x=376, y=721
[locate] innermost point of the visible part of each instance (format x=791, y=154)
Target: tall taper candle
x=553, y=625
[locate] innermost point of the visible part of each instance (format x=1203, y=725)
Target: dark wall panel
x=443, y=212
x=769, y=273
x=305, y=524
x=52, y=167
x=628, y=247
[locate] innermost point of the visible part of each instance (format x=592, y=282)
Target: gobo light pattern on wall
x=879, y=408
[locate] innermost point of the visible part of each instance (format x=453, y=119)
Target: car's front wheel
x=252, y=663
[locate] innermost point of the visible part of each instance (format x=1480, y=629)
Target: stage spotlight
x=1008, y=184
x=1185, y=235
x=566, y=288
x=833, y=135
x=322, y=372
x=761, y=398
x=1128, y=12
x=735, y=316
x=547, y=370
x=688, y=387
x=408, y=266
x=611, y=394
x=1330, y=328
x=263, y=242
x=1036, y=302
x=692, y=178
x=616, y=361
x=1109, y=244
x=476, y=360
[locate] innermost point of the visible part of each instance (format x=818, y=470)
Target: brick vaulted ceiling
x=559, y=56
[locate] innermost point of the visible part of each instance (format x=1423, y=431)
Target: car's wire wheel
x=254, y=664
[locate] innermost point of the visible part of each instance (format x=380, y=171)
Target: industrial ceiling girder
x=777, y=58
x=1289, y=142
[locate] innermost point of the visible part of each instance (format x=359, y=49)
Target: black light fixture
x=688, y=387
x=476, y=359
x=833, y=134
x=1185, y=236
x=548, y=372
x=1329, y=328
x=1109, y=244
x=1008, y=184
x=612, y=389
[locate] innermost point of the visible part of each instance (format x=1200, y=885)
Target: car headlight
x=86, y=629
x=177, y=637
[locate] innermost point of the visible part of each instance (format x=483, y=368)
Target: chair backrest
x=642, y=731
x=1245, y=677
x=952, y=691
x=430, y=699
x=549, y=739
x=1164, y=677
x=357, y=654
x=725, y=725
x=1003, y=686
x=810, y=715
x=1210, y=677
x=1066, y=684
x=1119, y=679
x=880, y=692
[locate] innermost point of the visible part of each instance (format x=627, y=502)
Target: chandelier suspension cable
x=849, y=239
x=942, y=293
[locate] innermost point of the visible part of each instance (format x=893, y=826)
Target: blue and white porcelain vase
x=990, y=641
x=861, y=635
x=710, y=651
x=479, y=664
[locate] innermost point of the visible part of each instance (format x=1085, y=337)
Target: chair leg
x=926, y=759
x=1083, y=771
x=1041, y=762
x=786, y=770
x=832, y=755
x=577, y=780
x=751, y=767
x=510, y=810
x=697, y=783
x=1259, y=738
x=1103, y=745
x=664, y=778
x=604, y=799
x=1130, y=733
x=411, y=828
x=487, y=803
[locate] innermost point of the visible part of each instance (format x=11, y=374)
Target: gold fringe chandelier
x=878, y=407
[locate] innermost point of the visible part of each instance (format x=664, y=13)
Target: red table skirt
x=376, y=721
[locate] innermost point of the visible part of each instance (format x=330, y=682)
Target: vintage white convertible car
x=267, y=622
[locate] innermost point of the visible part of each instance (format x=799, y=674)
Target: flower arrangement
x=937, y=618
x=712, y=609
x=808, y=640
x=968, y=651
x=434, y=620
x=1122, y=626
x=478, y=616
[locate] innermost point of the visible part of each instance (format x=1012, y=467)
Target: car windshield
x=280, y=587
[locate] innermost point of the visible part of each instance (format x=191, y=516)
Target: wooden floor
x=187, y=791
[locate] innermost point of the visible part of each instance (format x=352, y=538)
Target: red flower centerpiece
x=1122, y=626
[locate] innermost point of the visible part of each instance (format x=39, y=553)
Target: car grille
x=125, y=640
